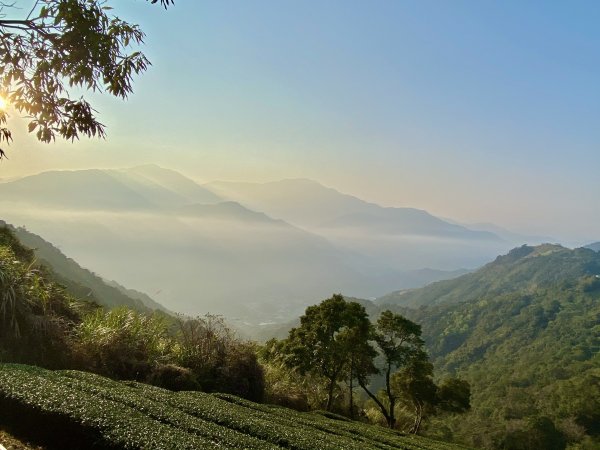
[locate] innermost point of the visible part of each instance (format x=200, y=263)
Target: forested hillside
x=523, y=269
x=525, y=332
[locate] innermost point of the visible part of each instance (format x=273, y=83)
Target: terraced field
x=79, y=410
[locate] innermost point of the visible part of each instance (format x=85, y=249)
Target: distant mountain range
x=399, y=238
x=139, y=188
x=310, y=204
x=507, y=235
x=227, y=211
x=256, y=252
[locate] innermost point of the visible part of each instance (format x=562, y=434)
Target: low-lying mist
x=252, y=271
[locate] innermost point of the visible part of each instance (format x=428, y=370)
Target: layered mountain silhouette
x=138, y=188
x=228, y=211
x=308, y=203
x=259, y=252
x=399, y=238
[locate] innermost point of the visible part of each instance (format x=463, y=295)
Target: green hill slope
x=75, y=410
x=80, y=282
x=525, y=332
x=526, y=356
x=523, y=269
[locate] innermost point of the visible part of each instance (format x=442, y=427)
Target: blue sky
x=478, y=110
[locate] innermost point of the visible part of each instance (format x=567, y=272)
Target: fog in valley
x=256, y=253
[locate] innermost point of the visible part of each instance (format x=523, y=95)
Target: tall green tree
x=328, y=335
x=59, y=46
x=414, y=386
x=398, y=340
x=357, y=337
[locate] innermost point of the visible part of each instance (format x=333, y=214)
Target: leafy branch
x=61, y=46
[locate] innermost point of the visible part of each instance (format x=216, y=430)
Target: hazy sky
x=478, y=111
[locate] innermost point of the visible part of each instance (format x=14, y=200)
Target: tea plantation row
x=75, y=410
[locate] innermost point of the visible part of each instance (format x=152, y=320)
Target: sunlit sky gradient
x=477, y=111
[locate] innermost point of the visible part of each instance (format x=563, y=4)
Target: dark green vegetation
x=337, y=347
x=75, y=410
x=524, y=331
x=44, y=324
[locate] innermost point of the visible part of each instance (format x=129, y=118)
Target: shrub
x=172, y=377
x=122, y=343
x=36, y=316
x=220, y=361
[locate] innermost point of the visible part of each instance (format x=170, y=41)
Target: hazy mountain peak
x=142, y=187
x=175, y=182
x=529, y=251
x=299, y=181
x=148, y=166
x=86, y=189
x=228, y=210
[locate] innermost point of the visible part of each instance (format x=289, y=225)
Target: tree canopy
x=337, y=343
x=57, y=48
x=327, y=335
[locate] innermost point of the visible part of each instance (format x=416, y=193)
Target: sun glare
x=2, y=103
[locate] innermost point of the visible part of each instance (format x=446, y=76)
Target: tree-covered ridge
x=523, y=269
x=530, y=354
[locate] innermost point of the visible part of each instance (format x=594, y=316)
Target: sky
x=477, y=111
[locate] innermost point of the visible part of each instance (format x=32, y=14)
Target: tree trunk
x=352, y=390
x=391, y=398
x=330, y=394
x=418, y=418
x=376, y=400
x=392, y=420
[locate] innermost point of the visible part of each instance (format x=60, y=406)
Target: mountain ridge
x=188, y=256
x=338, y=205
x=523, y=267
